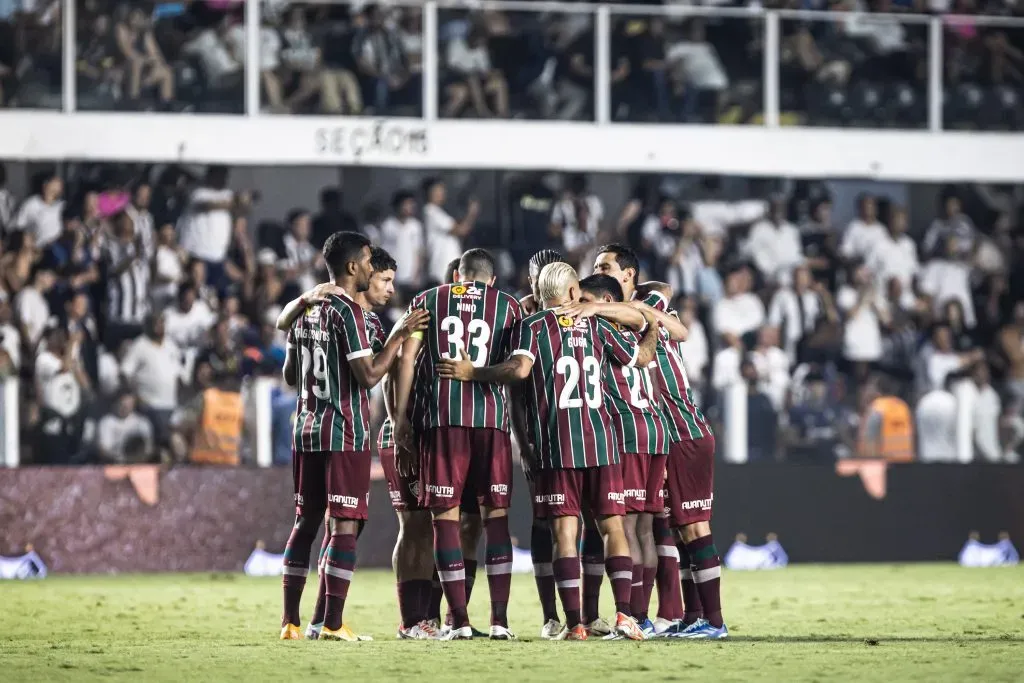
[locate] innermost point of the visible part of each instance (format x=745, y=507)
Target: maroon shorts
x=691, y=479
x=336, y=480
x=459, y=461
x=635, y=469
x=656, y=484
x=567, y=492
x=404, y=491
x=540, y=509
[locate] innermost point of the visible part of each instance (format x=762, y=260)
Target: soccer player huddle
x=585, y=374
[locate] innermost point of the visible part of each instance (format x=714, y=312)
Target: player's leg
x=635, y=467
x=490, y=475
x=670, y=601
x=604, y=491
x=471, y=528
x=444, y=463
x=309, y=477
x=691, y=482
x=348, y=481
x=649, y=562
x=593, y=575
x=561, y=490
x=542, y=548
x=316, y=622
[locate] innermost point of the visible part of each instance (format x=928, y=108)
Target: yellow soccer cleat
x=291, y=632
x=343, y=633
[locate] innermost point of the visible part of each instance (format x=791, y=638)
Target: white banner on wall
x=414, y=143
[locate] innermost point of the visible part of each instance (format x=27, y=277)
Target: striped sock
x=296, y=568
x=321, y=587
x=648, y=580
x=593, y=573
x=543, y=572
x=670, y=600
x=567, y=579
x=691, y=599
x=706, y=568
x=636, y=594
x=451, y=568
x=620, y=573
x=339, y=566
x=499, y=567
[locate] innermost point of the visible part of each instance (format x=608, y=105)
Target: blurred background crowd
x=131, y=296
x=867, y=67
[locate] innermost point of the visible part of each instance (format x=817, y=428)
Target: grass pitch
x=804, y=623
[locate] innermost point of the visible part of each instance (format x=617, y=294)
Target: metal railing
x=857, y=70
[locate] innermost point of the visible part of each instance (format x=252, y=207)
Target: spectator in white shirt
x=469, y=60
x=61, y=385
x=695, y=348
x=863, y=232
x=168, y=267
x=948, y=277
x=204, y=228
x=943, y=361
x=725, y=371
x=772, y=366
x=895, y=256
x=935, y=421
x=188, y=323
x=796, y=310
x=401, y=235
x=301, y=258
x=774, y=245
x=576, y=218
x=865, y=312
x=152, y=369
x=31, y=308
x=739, y=312
x=953, y=223
x=40, y=214
x=444, y=233
x=986, y=408
x=124, y=436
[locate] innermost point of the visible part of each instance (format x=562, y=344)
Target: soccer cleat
x=598, y=627
x=686, y=630
x=501, y=633
x=313, y=631
x=550, y=630
x=703, y=630
x=464, y=633
x=411, y=633
x=343, y=633
x=577, y=632
x=664, y=626
x=291, y=632
x=648, y=628
x=478, y=634
x=628, y=628
x=428, y=630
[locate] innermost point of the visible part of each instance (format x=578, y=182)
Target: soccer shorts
x=635, y=470
x=338, y=481
x=454, y=459
x=404, y=491
x=691, y=480
x=566, y=492
x=656, y=484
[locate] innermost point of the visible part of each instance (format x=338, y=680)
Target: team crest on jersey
x=459, y=290
x=566, y=321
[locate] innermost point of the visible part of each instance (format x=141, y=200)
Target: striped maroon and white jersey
x=479, y=319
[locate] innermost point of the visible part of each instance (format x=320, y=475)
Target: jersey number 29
x=317, y=362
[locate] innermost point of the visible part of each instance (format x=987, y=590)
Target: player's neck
x=360, y=298
x=348, y=284
x=559, y=301
x=628, y=295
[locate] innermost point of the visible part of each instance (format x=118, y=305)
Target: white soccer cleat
x=313, y=631
x=464, y=633
x=550, y=630
x=411, y=633
x=501, y=633
x=663, y=625
x=428, y=630
x=598, y=627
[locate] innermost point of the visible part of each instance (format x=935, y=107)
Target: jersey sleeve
x=657, y=300
x=354, y=340
x=623, y=351
x=524, y=341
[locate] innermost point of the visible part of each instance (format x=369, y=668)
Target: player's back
x=333, y=410
x=570, y=426
x=479, y=319
x=640, y=424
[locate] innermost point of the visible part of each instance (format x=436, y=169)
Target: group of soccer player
x=586, y=374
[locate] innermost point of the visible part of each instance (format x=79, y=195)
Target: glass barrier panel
x=167, y=57
x=983, y=75
x=360, y=59
x=515, y=64
x=31, y=55
x=853, y=71
x=687, y=69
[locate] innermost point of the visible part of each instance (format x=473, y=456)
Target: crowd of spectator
x=866, y=69
x=144, y=287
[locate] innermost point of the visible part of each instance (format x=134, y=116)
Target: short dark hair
x=400, y=198
x=342, y=248
x=449, y=275
x=545, y=257
x=295, y=214
x=624, y=256
x=381, y=260
x=600, y=285
x=477, y=264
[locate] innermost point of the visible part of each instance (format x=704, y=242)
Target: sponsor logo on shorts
x=396, y=496
x=704, y=504
x=637, y=494
x=550, y=498
x=344, y=501
x=441, y=491
x=501, y=489
x=616, y=497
